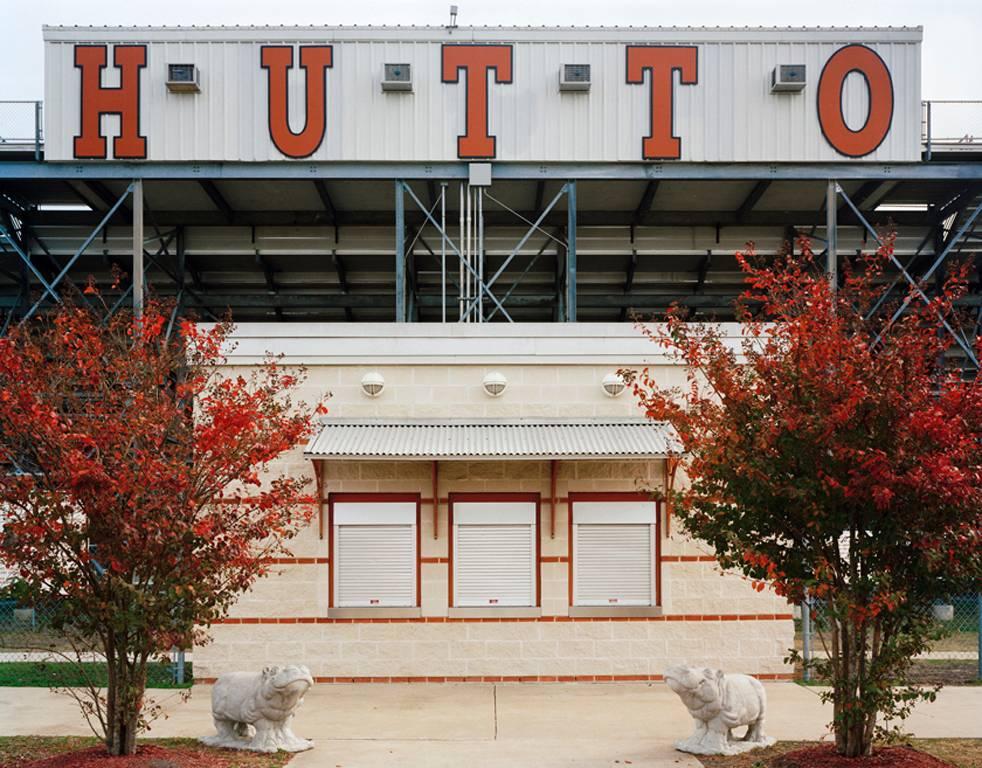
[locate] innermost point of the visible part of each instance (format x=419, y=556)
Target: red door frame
x=363, y=498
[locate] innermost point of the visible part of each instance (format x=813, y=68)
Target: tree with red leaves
x=134, y=472
x=832, y=452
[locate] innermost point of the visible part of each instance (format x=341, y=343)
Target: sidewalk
x=473, y=725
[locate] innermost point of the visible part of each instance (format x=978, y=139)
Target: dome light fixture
x=613, y=384
x=494, y=384
x=372, y=384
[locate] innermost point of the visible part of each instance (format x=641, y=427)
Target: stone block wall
x=707, y=617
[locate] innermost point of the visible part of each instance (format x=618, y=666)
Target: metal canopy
x=533, y=439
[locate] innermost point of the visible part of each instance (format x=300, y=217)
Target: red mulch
x=825, y=756
x=147, y=756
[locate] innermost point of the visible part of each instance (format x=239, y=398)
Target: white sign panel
x=504, y=94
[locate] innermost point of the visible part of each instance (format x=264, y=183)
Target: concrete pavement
x=487, y=726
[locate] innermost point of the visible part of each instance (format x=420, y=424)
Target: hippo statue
x=718, y=703
x=253, y=710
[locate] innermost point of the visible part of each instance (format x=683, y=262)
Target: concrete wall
x=707, y=617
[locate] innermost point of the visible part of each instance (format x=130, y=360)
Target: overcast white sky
x=952, y=54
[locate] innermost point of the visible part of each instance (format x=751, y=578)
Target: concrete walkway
x=487, y=726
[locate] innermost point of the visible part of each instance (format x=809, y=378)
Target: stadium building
x=453, y=229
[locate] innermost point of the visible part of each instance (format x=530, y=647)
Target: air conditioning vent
x=574, y=77
x=182, y=78
x=788, y=78
x=397, y=77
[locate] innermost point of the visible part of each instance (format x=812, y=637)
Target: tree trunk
x=852, y=726
x=124, y=700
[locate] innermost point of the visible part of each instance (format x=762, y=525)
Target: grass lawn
x=17, y=751
x=963, y=753
x=44, y=674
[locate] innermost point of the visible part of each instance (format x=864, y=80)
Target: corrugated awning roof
x=493, y=439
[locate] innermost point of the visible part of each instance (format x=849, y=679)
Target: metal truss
x=472, y=285
x=9, y=242
x=836, y=191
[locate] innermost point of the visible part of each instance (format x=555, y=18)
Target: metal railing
x=22, y=126
x=951, y=125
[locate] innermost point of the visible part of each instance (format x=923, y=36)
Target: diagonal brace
x=917, y=289
x=455, y=250
x=514, y=251
x=88, y=241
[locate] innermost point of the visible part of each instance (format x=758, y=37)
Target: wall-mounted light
x=372, y=384
x=494, y=384
x=613, y=384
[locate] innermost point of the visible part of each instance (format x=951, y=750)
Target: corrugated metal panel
x=410, y=439
x=730, y=115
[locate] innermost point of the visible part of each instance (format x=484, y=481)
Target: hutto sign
x=483, y=100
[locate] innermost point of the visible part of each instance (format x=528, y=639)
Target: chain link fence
x=955, y=658
x=35, y=652
x=21, y=126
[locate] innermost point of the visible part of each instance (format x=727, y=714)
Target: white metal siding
x=613, y=564
x=730, y=115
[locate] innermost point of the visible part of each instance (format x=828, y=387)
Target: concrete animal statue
x=253, y=710
x=718, y=703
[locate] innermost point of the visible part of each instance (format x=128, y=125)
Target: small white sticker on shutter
x=494, y=565
x=375, y=565
x=613, y=564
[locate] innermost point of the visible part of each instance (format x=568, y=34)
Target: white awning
x=493, y=439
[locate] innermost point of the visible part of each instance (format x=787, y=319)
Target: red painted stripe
x=688, y=559
x=434, y=560
x=509, y=678
x=297, y=560
x=500, y=620
x=555, y=559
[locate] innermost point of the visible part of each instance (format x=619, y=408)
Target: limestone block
x=253, y=711
x=718, y=703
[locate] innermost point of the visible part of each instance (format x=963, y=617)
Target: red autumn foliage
x=117, y=441
x=833, y=452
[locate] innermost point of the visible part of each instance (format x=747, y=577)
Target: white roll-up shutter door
x=374, y=554
x=494, y=554
x=614, y=545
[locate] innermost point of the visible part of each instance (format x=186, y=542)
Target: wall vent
x=574, y=77
x=397, y=77
x=183, y=78
x=788, y=78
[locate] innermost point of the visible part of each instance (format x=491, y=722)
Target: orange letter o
x=855, y=58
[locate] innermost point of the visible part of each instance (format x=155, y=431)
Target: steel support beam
x=967, y=170
x=832, y=234
x=571, y=251
x=379, y=218
x=219, y=201
x=138, y=249
x=108, y=199
x=751, y=200
x=400, y=265
x=644, y=206
x=342, y=274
